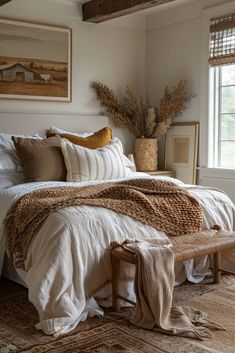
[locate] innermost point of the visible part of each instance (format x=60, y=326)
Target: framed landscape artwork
x=181, y=149
x=35, y=61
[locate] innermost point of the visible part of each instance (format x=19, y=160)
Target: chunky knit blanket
x=160, y=204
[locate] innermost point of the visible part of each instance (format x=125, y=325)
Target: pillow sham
x=42, y=160
x=8, y=157
x=84, y=164
x=10, y=178
x=97, y=140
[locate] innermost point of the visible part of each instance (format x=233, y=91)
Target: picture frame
x=35, y=61
x=181, y=151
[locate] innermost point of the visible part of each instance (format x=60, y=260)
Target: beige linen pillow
x=85, y=164
x=42, y=160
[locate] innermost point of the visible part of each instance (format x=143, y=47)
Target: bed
x=69, y=256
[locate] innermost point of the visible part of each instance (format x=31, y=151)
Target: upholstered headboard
x=30, y=123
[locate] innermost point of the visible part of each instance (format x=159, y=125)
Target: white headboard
x=29, y=123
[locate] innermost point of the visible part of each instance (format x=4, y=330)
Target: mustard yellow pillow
x=98, y=140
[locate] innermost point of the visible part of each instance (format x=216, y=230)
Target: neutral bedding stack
x=160, y=204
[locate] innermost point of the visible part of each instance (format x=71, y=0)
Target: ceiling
x=139, y=14
x=148, y=11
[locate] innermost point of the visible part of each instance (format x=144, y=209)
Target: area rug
x=114, y=334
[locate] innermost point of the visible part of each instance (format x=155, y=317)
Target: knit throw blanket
x=160, y=204
x=154, y=284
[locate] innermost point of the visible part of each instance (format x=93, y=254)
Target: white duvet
x=69, y=255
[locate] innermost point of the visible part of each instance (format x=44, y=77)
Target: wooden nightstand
x=169, y=173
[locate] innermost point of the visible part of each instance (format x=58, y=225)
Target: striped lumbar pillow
x=105, y=163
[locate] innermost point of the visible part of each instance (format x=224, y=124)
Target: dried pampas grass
x=140, y=117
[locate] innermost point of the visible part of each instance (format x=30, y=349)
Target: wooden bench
x=184, y=248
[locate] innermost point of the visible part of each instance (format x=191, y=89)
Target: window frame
x=207, y=120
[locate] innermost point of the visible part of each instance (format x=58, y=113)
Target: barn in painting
x=16, y=72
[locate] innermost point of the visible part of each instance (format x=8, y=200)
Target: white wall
x=174, y=53
x=106, y=52
x=118, y=53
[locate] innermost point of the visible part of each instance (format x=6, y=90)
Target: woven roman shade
x=222, y=40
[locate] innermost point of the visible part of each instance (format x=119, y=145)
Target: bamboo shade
x=222, y=40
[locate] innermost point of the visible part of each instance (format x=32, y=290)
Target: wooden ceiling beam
x=102, y=10
x=3, y=2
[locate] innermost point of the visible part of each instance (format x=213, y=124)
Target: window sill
x=217, y=173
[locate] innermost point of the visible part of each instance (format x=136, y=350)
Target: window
x=222, y=92
x=222, y=111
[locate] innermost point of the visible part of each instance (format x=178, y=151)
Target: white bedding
x=72, y=245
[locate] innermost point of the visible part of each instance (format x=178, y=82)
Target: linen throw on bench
x=154, y=284
x=160, y=204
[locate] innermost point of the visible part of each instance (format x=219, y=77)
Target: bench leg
x=115, y=282
x=217, y=267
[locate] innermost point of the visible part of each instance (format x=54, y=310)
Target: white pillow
x=10, y=178
x=60, y=131
x=8, y=158
x=85, y=164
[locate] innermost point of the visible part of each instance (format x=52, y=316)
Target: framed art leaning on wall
x=35, y=61
x=181, y=150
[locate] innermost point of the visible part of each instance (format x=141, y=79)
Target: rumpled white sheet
x=72, y=246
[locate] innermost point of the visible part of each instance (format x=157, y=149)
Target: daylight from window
x=226, y=123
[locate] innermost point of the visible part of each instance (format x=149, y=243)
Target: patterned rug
x=114, y=334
